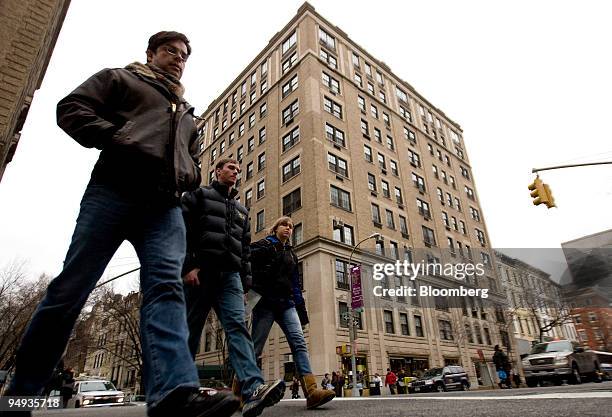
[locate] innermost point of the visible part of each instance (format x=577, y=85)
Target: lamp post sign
x=356, y=290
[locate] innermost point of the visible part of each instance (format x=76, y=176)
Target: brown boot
x=314, y=396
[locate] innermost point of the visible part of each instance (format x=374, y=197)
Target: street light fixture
x=351, y=320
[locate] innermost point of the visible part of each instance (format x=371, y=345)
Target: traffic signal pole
x=535, y=170
x=541, y=192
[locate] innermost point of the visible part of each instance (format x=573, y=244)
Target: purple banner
x=356, y=292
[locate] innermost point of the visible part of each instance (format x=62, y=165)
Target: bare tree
x=19, y=297
x=117, y=321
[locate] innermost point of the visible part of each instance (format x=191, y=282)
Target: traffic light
x=541, y=193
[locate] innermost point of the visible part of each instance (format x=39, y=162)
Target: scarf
x=151, y=71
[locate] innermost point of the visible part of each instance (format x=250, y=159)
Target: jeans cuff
x=177, y=394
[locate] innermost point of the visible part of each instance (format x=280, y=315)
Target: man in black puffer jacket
x=216, y=273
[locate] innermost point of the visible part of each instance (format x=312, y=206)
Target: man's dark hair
x=224, y=161
x=163, y=37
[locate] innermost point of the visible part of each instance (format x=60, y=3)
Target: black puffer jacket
x=148, y=137
x=218, y=232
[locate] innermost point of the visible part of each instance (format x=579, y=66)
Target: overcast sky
x=528, y=81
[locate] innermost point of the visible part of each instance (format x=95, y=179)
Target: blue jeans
x=223, y=292
x=105, y=220
x=289, y=322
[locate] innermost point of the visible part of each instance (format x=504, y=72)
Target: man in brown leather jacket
x=139, y=119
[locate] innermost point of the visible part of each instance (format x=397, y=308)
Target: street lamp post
x=355, y=391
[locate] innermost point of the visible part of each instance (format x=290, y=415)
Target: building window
x=298, y=235
x=290, y=86
x=393, y=166
x=340, y=198
x=409, y=135
x=248, y=198
x=291, y=169
x=241, y=130
x=252, y=96
x=367, y=152
x=446, y=330
x=384, y=186
x=390, y=143
x=288, y=63
x=364, y=128
x=377, y=135
x=370, y=88
x=419, y=182
x=291, y=138
x=342, y=275
x=382, y=96
x=374, y=111
x=404, y=328
x=262, y=135
x=423, y=207
x=289, y=112
x=331, y=83
x=263, y=110
x=328, y=40
x=358, y=81
x=414, y=158
x=469, y=192
x=289, y=43
x=332, y=107
x=403, y=226
x=474, y=214
x=361, y=103
x=264, y=86
x=386, y=119
x=388, y=316
x=480, y=236
x=343, y=234
x=335, y=135
x=329, y=59
x=381, y=162
x=240, y=153
x=250, y=144
x=213, y=154
x=261, y=161
x=260, y=221
x=292, y=202
x=249, y=171
x=337, y=164
x=232, y=138
x=390, y=219
x=371, y=182
x=376, y=214
x=418, y=326
x=261, y=189
x=428, y=236
x=355, y=60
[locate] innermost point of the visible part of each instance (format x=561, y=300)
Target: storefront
x=362, y=367
x=413, y=366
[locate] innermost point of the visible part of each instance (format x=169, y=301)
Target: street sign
x=356, y=290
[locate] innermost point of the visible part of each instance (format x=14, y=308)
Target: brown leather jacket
x=148, y=137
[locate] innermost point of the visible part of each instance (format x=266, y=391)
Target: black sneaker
x=265, y=395
x=204, y=403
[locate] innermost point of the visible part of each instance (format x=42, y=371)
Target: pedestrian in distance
x=295, y=389
x=390, y=381
x=326, y=381
x=217, y=273
x=276, y=279
x=503, y=367
x=340, y=384
x=145, y=129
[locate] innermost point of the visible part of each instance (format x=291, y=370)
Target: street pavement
x=589, y=399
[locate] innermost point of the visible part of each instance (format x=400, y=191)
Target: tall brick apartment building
x=28, y=31
x=328, y=134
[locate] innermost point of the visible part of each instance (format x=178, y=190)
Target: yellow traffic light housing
x=541, y=193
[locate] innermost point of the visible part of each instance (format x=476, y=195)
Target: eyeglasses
x=176, y=52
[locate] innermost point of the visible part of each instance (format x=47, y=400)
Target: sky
x=528, y=81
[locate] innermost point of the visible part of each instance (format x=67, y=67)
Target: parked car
x=95, y=393
x=441, y=379
x=560, y=360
